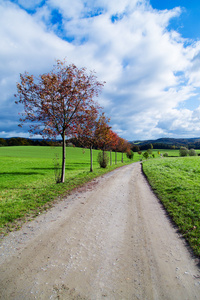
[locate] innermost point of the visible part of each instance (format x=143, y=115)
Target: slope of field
x=176, y=181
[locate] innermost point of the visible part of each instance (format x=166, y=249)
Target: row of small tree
x=61, y=103
x=99, y=134
x=183, y=151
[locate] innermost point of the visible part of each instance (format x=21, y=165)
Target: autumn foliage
x=56, y=103
x=86, y=132
x=61, y=104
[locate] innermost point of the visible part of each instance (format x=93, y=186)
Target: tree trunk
x=115, y=157
x=122, y=158
x=63, y=158
x=110, y=157
x=91, y=162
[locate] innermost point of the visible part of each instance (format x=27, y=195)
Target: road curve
x=110, y=239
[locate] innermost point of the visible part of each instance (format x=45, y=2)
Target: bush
x=165, y=154
x=146, y=155
x=103, y=159
x=130, y=154
x=70, y=144
x=192, y=152
x=183, y=151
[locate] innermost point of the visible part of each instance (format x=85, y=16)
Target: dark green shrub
x=130, y=154
x=192, y=152
x=165, y=154
x=146, y=155
x=103, y=159
x=183, y=151
x=70, y=144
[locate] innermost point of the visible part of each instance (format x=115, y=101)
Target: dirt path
x=108, y=240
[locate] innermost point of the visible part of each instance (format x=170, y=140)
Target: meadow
x=28, y=184
x=176, y=181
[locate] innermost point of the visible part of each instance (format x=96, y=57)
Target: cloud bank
x=152, y=74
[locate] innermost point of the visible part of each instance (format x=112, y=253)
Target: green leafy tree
x=130, y=154
x=183, y=151
x=3, y=142
x=192, y=152
x=145, y=154
x=103, y=159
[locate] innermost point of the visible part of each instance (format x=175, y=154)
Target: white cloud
x=149, y=70
x=68, y=9
x=25, y=46
x=183, y=121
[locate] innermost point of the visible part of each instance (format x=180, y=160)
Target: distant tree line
x=18, y=141
x=158, y=146
x=178, y=145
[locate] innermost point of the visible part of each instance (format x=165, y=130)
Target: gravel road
x=110, y=239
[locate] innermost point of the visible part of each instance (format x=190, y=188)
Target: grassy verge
x=176, y=181
x=27, y=179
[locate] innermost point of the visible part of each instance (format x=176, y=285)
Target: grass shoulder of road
x=27, y=179
x=176, y=181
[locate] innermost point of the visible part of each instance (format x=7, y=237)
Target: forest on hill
x=18, y=141
x=167, y=143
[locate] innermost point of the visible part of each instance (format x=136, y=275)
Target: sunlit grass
x=176, y=181
x=27, y=179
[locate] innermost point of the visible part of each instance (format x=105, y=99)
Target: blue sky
x=148, y=52
x=188, y=24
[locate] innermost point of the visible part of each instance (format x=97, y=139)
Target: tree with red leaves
x=123, y=146
x=114, y=140
x=102, y=135
x=111, y=142
x=56, y=102
x=102, y=132
x=86, y=132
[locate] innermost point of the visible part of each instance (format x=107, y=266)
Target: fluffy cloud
x=24, y=46
x=150, y=71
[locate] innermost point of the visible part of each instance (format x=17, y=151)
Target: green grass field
x=27, y=179
x=171, y=152
x=176, y=181
x=28, y=186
